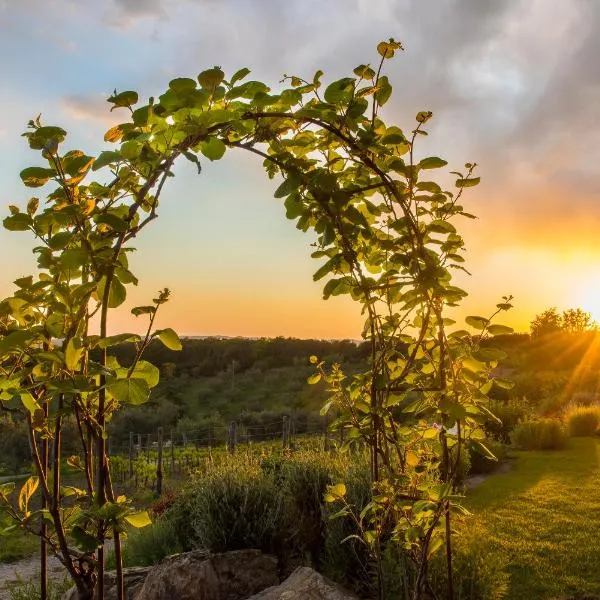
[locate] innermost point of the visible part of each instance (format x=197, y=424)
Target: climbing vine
x=385, y=236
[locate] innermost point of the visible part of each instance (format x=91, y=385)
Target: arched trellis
x=384, y=231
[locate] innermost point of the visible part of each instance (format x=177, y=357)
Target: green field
x=543, y=518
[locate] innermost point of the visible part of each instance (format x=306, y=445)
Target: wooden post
x=172, y=453
x=130, y=454
x=232, y=436
x=285, y=432
x=159, y=472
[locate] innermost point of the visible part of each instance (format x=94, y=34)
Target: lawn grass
x=543, y=518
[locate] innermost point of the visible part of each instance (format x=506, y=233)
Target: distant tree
x=572, y=320
x=576, y=320
x=546, y=323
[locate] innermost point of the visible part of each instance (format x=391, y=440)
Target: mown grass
x=543, y=519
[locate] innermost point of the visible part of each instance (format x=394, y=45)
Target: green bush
x=543, y=434
x=583, y=420
x=148, y=546
x=478, y=574
x=273, y=503
x=510, y=413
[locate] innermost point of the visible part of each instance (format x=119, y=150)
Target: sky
x=514, y=85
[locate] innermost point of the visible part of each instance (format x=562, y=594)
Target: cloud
x=93, y=108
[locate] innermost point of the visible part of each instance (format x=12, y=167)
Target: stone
x=133, y=579
x=305, y=584
x=195, y=575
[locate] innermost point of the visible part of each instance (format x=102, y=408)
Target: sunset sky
x=513, y=84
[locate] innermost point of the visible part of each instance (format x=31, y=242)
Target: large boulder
x=305, y=584
x=195, y=575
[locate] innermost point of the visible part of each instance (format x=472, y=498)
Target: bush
x=543, y=434
x=510, y=413
x=235, y=509
x=583, y=420
x=273, y=504
x=478, y=574
x=148, y=546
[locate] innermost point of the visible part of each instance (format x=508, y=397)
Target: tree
x=546, y=323
x=576, y=320
x=385, y=236
x=572, y=320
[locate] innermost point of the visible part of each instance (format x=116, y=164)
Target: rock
x=195, y=575
x=133, y=580
x=305, y=584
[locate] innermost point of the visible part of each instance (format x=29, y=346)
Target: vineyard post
x=172, y=452
x=159, y=473
x=131, y=455
x=284, y=432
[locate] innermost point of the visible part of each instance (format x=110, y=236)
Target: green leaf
x=73, y=353
x=239, y=75
x=505, y=384
x=432, y=162
x=364, y=71
x=117, y=293
x=211, y=78
x=463, y=183
x=335, y=492
x=477, y=322
x=85, y=541
x=169, y=338
x=120, y=338
x=182, y=85
x=18, y=222
x=387, y=49
x=146, y=372
x=384, y=90
x=139, y=520
x=314, y=378
x=340, y=91
x=500, y=330
x=130, y=391
x=108, y=157
x=27, y=492
x=6, y=489
x=73, y=258
x=143, y=310
x=36, y=176
x=29, y=402
x=213, y=148
x=123, y=100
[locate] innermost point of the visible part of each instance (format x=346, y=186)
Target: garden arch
x=385, y=236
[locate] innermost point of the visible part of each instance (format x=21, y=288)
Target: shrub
x=148, y=546
x=478, y=574
x=273, y=503
x=583, y=420
x=543, y=434
x=235, y=509
x=510, y=413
